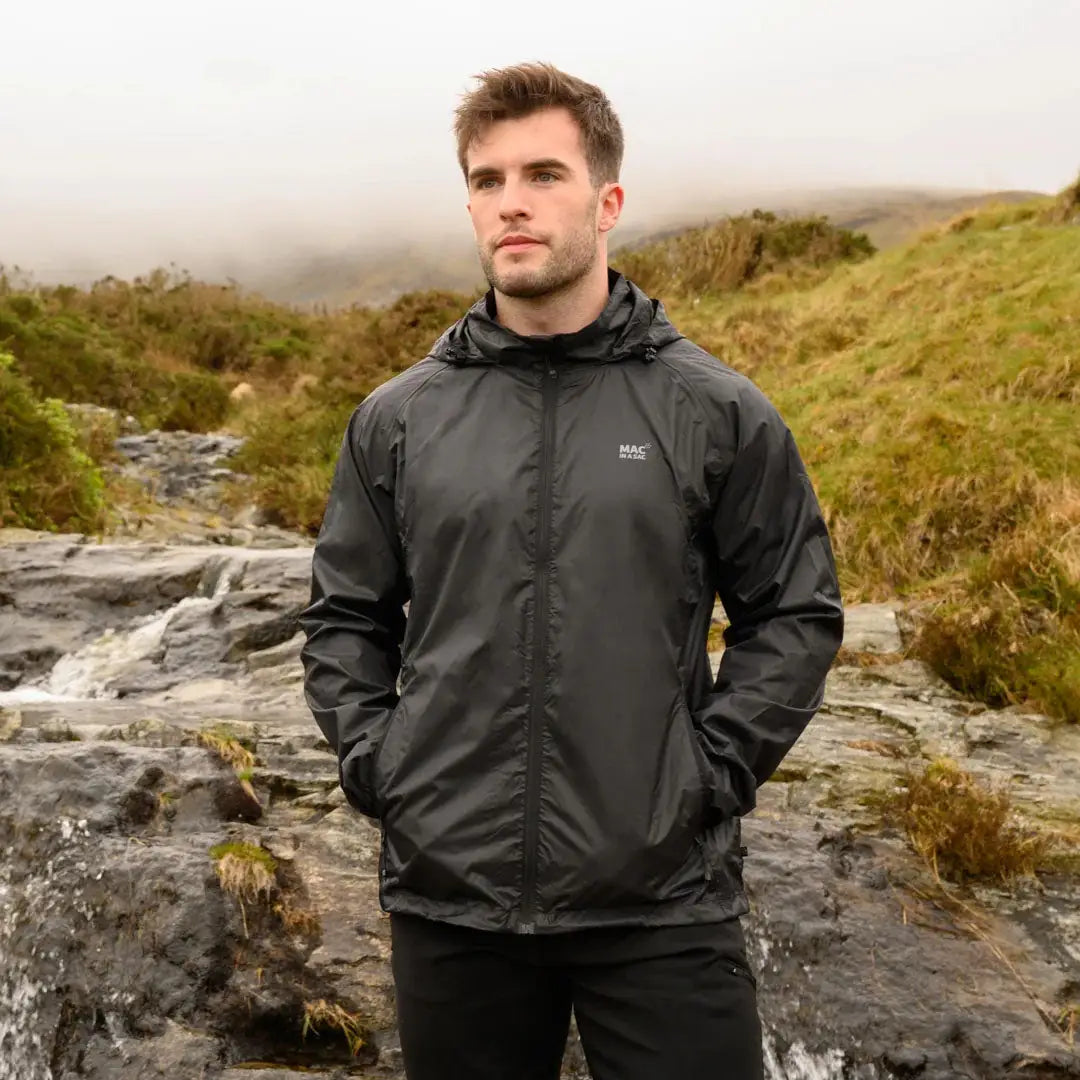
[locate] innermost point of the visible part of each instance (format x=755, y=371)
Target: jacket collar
x=631, y=327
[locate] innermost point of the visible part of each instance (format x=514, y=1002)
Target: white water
x=91, y=671
x=798, y=1063
x=27, y=981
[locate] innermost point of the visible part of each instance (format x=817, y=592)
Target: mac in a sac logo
x=633, y=451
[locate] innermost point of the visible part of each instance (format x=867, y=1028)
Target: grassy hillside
x=934, y=390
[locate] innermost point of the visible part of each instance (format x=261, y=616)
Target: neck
x=563, y=312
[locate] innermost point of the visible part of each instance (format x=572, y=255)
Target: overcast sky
x=135, y=133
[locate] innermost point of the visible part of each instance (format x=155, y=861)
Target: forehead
x=547, y=133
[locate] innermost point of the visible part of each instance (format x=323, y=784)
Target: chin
x=523, y=287
x=522, y=282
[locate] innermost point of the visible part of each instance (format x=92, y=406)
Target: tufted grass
x=246, y=872
x=322, y=1015
x=228, y=747
x=725, y=255
x=962, y=828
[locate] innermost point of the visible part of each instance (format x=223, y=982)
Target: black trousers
x=663, y=1003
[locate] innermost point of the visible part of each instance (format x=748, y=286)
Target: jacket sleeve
x=776, y=578
x=355, y=622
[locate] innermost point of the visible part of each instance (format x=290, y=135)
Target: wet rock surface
x=124, y=957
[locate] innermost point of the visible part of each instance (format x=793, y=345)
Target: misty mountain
x=378, y=275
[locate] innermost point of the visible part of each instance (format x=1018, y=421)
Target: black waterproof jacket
x=560, y=513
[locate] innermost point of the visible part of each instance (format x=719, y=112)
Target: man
x=559, y=490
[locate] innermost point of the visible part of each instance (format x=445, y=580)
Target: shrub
x=97, y=429
x=1066, y=207
x=727, y=254
x=289, y=454
x=47, y=480
x=192, y=401
x=67, y=356
x=1010, y=632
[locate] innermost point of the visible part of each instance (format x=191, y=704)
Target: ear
x=609, y=206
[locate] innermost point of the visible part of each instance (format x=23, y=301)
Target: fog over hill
x=309, y=262
x=378, y=273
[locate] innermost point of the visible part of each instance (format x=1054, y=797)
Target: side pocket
x=383, y=759
x=743, y=971
x=701, y=762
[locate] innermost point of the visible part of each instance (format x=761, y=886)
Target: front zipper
x=549, y=398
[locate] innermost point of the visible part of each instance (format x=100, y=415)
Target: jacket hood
x=631, y=326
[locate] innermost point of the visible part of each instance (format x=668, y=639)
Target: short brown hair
x=513, y=92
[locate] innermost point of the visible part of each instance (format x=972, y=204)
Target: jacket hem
x=715, y=907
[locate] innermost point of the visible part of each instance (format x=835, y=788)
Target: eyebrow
x=482, y=172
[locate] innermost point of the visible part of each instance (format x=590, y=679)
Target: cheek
x=478, y=219
x=485, y=213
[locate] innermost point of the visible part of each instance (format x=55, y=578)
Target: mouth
x=517, y=243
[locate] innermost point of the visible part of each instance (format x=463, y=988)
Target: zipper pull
x=705, y=859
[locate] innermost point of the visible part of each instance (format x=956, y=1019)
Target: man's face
x=537, y=217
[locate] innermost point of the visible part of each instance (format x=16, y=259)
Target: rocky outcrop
x=125, y=956
x=178, y=465
x=181, y=485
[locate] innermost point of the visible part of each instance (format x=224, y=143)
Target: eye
x=486, y=183
x=546, y=177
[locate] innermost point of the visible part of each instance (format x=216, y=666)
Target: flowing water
x=91, y=672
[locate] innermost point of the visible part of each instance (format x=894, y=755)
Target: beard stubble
x=565, y=266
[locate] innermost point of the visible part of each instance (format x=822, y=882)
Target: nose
x=514, y=204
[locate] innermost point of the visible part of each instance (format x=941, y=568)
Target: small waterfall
x=798, y=1063
x=89, y=672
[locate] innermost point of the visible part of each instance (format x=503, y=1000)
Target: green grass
x=246, y=872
